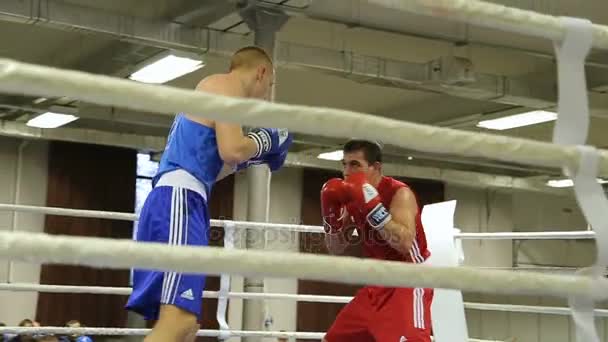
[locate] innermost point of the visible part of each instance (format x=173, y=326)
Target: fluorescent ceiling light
x=166, y=68
x=560, y=183
x=335, y=155
x=51, y=120
x=518, y=120
x=566, y=183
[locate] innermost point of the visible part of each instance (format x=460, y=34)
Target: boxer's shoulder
x=394, y=183
x=221, y=84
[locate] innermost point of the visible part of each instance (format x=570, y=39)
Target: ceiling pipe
x=355, y=13
x=454, y=76
x=150, y=32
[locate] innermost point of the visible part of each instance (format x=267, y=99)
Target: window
x=146, y=169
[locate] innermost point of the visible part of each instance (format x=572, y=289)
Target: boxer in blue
x=198, y=153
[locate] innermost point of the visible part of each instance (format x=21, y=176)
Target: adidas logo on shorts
x=187, y=294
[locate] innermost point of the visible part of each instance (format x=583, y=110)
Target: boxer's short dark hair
x=249, y=57
x=371, y=150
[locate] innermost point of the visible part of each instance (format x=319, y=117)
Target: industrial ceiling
x=345, y=54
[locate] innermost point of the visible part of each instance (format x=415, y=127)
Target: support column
x=265, y=24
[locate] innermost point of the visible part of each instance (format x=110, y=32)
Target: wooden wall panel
x=87, y=177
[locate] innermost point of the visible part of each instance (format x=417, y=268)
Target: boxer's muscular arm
x=400, y=231
x=233, y=146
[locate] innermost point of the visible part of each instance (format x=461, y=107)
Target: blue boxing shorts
x=173, y=216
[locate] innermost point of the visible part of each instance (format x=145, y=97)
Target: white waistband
x=182, y=179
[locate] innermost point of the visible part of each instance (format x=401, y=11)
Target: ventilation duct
x=157, y=33
x=449, y=75
x=454, y=76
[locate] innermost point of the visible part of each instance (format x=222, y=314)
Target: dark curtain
x=97, y=178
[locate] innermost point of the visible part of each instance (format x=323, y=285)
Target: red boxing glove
x=365, y=197
x=333, y=199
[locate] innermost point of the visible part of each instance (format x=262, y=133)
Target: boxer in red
x=386, y=215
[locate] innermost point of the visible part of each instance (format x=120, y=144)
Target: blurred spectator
x=77, y=337
x=74, y=323
x=26, y=323
x=25, y=337
x=4, y=337
x=47, y=338
x=282, y=339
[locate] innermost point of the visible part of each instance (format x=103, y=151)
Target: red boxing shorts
x=381, y=314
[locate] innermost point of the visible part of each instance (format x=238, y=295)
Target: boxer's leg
x=175, y=216
x=351, y=324
x=403, y=314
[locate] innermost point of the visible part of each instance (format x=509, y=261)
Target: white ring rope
x=494, y=16
x=573, y=235
x=23, y=78
x=582, y=234
x=142, y=332
x=125, y=291
x=551, y=310
x=124, y=254
x=69, y=212
x=45, y=288
x=133, y=217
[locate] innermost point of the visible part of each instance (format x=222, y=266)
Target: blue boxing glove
x=274, y=160
x=269, y=140
x=83, y=339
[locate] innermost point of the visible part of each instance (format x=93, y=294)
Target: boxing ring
x=573, y=38
x=125, y=291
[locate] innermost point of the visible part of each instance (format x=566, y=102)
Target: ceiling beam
x=87, y=136
x=447, y=75
x=157, y=144
x=369, y=16
x=320, y=144
x=91, y=111
x=124, y=116
x=118, y=58
x=454, y=76
x=150, y=32
x=204, y=13
x=597, y=79
x=326, y=144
